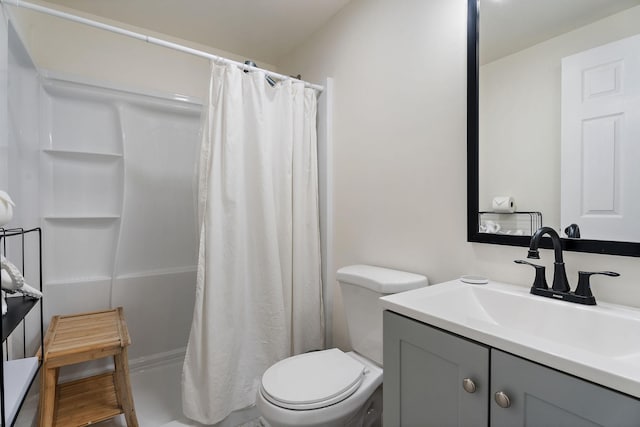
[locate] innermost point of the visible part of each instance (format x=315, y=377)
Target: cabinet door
x=543, y=397
x=424, y=370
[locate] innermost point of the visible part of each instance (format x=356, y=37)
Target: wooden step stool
x=80, y=338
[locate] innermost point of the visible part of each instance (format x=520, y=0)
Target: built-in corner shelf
x=79, y=154
x=18, y=377
x=84, y=186
x=78, y=280
x=68, y=233
x=80, y=217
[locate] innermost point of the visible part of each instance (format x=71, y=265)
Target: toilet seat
x=312, y=380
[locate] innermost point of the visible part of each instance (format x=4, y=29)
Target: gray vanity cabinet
x=424, y=385
x=543, y=397
x=424, y=371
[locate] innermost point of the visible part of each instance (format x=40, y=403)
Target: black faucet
x=560, y=282
x=560, y=288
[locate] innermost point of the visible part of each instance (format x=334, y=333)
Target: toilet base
x=370, y=415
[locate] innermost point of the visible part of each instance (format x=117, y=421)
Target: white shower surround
x=117, y=204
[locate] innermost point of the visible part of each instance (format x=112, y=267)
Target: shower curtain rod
x=149, y=39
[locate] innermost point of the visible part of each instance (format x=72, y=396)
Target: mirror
x=518, y=77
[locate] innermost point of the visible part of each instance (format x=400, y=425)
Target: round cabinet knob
x=502, y=399
x=468, y=385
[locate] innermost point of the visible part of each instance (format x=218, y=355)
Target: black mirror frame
x=473, y=235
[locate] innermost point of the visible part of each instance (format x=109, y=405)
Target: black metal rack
x=18, y=308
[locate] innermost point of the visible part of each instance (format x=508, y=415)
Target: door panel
x=600, y=180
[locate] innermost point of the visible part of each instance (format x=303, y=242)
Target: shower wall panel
x=4, y=87
x=23, y=137
x=19, y=159
x=117, y=189
x=160, y=183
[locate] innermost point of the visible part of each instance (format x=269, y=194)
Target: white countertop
x=599, y=343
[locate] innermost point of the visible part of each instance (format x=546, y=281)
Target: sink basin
x=600, y=343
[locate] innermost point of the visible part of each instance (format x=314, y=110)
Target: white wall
x=400, y=148
x=399, y=134
x=520, y=116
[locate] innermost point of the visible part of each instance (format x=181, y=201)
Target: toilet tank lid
x=381, y=280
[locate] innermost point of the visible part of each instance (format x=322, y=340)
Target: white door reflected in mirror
x=600, y=177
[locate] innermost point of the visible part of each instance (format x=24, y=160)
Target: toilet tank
x=362, y=286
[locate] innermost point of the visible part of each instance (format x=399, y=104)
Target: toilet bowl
x=324, y=400
x=330, y=387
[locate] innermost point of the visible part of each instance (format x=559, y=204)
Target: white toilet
x=332, y=388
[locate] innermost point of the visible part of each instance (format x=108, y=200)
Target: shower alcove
x=108, y=170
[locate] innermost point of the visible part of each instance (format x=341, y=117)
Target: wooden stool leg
x=48, y=380
x=123, y=387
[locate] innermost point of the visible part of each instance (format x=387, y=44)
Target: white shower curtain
x=259, y=292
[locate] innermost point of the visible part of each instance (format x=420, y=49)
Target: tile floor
x=158, y=401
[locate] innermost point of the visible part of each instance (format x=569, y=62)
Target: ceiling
x=508, y=26
x=261, y=30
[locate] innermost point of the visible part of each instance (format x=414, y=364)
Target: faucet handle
x=584, y=286
x=540, y=281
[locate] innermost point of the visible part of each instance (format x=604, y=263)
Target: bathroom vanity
x=489, y=355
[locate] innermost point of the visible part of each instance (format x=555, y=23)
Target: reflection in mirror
x=558, y=127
